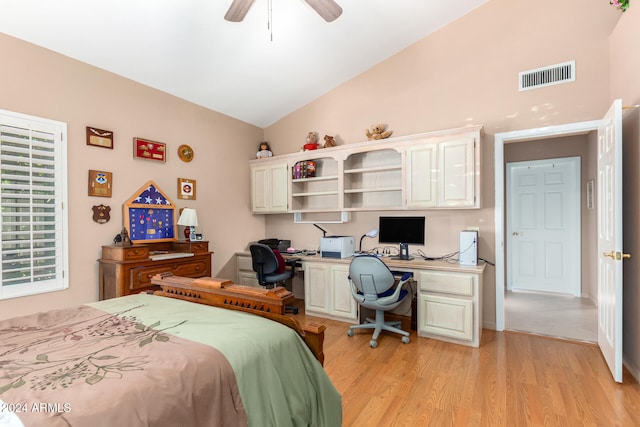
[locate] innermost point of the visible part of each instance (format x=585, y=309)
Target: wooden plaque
x=100, y=183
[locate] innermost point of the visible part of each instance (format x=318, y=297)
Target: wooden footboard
x=268, y=303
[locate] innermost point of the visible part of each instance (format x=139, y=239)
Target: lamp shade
x=188, y=217
x=370, y=233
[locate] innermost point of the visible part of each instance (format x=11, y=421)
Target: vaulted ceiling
x=244, y=70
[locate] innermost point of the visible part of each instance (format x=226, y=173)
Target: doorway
x=558, y=315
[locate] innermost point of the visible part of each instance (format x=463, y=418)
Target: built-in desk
x=448, y=296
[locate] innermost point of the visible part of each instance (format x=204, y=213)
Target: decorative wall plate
x=185, y=153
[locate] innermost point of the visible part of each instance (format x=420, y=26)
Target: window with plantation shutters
x=33, y=186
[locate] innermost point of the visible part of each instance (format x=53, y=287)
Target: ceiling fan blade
x=327, y=9
x=238, y=10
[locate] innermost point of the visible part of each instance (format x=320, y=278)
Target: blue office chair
x=268, y=271
x=372, y=286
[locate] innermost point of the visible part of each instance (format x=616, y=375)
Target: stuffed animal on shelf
x=264, y=150
x=312, y=142
x=378, y=132
x=329, y=141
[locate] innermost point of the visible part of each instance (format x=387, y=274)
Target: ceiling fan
x=329, y=10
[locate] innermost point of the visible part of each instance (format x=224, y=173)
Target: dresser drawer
x=125, y=253
x=141, y=277
x=446, y=283
x=244, y=263
x=197, y=247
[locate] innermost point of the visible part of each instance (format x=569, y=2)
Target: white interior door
x=609, y=202
x=543, y=225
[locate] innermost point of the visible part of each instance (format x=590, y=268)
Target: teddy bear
x=312, y=142
x=329, y=141
x=378, y=132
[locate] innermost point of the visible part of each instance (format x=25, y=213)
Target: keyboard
x=170, y=255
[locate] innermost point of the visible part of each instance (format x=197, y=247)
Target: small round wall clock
x=185, y=153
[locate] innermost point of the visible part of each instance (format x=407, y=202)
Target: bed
x=150, y=360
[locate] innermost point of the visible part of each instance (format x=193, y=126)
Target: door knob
x=515, y=233
x=616, y=255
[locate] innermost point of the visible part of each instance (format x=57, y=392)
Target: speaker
x=468, y=247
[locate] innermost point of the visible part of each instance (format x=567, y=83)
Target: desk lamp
x=189, y=219
x=371, y=233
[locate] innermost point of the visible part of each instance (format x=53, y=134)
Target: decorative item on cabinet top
x=311, y=142
x=264, y=151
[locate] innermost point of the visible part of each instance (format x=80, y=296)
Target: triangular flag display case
x=150, y=216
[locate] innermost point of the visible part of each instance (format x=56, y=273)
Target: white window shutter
x=34, y=232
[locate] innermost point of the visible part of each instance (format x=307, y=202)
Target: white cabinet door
x=269, y=188
x=279, y=185
x=421, y=170
x=457, y=173
x=326, y=291
x=260, y=189
x=446, y=316
x=342, y=302
x=316, y=291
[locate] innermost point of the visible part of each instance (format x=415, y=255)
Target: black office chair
x=265, y=264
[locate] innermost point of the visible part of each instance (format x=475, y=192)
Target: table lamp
x=189, y=219
x=370, y=233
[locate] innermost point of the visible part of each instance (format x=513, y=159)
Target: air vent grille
x=547, y=76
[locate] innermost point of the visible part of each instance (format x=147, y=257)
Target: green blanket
x=280, y=382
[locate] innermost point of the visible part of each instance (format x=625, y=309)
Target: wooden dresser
x=128, y=270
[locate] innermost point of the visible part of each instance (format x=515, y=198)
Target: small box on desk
x=468, y=247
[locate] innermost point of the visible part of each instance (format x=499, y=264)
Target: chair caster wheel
x=350, y=332
x=405, y=340
x=373, y=344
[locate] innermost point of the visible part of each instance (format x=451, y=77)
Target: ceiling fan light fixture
x=329, y=10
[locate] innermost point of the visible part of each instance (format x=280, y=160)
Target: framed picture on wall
x=149, y=150
x=186, y=189
x=99, y=137
x=150, y=216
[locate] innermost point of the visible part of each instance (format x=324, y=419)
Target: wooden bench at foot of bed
x=268, y=303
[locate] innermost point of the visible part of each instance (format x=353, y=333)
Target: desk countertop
x=414, y=264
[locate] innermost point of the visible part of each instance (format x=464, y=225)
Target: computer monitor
x=402, y=230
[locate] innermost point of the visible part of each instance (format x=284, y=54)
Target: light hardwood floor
x=513, y=379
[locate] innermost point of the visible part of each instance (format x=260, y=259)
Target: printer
x=337, y=246
x=280, y=245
